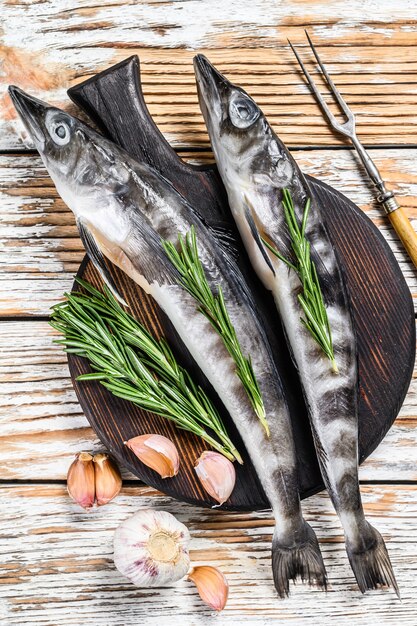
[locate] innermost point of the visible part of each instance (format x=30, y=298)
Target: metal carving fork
x=385, y=198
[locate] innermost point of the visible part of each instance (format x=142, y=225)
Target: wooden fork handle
x=405, y=231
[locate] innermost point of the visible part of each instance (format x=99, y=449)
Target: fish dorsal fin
x=97, y=259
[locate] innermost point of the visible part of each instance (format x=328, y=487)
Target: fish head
x=53, y=132
x=81, y=163
x=232, y=117
x=247, y=151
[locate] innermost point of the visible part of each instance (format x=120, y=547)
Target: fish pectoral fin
x=255, y=234
x=225, y=237
x=98, y=259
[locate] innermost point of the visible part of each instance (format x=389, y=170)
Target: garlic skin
x=151, y=548
x=81, y=480
x=211, y=584
x=108, y=480
x=217, y=475
x=157, y=452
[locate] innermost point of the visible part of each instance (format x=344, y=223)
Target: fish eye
x=243, y=112
x=60, y=132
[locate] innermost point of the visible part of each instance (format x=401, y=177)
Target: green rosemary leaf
x=89, y=288
x=133, y=365
x=92, y=376
x=305, y=216
x=311, y=299
x=187, y=262
x=74, y=351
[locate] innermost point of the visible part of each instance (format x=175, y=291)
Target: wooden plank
x=60, y=570
x=42, y=423
x=42, y=426
x=41, y=250
x=369, y=51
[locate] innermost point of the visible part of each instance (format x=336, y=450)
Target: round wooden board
x=384, y=321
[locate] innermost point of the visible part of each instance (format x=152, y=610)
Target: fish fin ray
x=302, y=560
x=225, y=236
x=152, y=248
x=97, y=259
x=372, y=566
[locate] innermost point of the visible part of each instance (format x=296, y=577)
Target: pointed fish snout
x=206, y=72
x=31, y=111
x=211, y=85
x=202, y=65
x=24, y=103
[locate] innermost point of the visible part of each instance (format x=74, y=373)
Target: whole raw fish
x=256, y=167
x=123, y=209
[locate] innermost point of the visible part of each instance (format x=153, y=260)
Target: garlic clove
x=217, y=475
x=157, y=452
x=108, y=480
x=80, y=480
x=151, y=548
x=211, y=584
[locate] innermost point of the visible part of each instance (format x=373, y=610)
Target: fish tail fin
x=371, y=564
x=302, y=559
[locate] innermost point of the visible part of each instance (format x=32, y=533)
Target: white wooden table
x=56, y=561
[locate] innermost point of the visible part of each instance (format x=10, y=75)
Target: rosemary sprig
x=128, y=361
x=187, y=262
x=311, y=298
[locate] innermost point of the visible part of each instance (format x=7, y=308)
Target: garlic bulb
x=157, y=452
x=211, y=584
x=151, y=548
x=217, y=475
x=80, y=480
x=108, y=480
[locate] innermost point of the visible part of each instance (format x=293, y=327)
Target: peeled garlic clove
x=151, y=548
x=80, y=480
x=108, y=480
x=211, y=584
x=157, y=452
x=217, y=475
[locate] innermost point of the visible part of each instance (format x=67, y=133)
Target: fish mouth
x=210, y=84
x=205, y=71
x=31, y=111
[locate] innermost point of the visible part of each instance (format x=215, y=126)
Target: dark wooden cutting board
x=381, y=304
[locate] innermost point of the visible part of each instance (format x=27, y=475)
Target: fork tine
x=332, y=120
x=329, y=80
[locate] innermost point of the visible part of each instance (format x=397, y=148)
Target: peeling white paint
x=79, y=38
x=63, y=572
x=180, y=23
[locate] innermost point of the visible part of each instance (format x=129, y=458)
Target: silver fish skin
x=255, y=167
x=124, y=209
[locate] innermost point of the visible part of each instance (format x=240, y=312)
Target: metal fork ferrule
x=388, y=202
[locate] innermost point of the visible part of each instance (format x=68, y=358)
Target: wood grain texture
x=40, y=250
x=56, y=567
x=368, y=48
x=60, y=570
x=42, y=426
